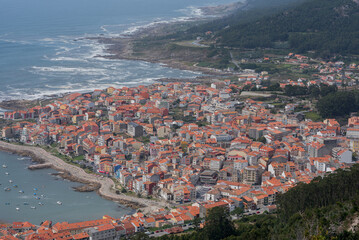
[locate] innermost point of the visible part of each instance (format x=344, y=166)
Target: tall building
x=252, y=175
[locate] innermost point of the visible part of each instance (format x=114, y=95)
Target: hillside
x=325, y=26
x=326, y=208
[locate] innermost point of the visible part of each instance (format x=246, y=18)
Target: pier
x=40, y=166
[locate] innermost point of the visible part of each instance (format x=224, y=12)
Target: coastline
x=77, y=174
x=122, y=46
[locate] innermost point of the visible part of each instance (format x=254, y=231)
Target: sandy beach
x=106, y=189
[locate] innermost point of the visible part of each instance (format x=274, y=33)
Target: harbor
x=42, y=195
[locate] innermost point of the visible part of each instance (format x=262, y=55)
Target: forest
x=338, y=104
x=325, y=26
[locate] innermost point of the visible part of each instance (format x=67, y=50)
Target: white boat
x=58, y=202
x=33, y=207
x=40, y=203
x=10, y=181
x=7, y=173
x=17, y=209
x=4, y=166
x=21, y=191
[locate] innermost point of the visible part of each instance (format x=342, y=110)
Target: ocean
x=43, y=50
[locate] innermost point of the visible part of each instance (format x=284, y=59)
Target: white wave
x=192, y=11
x=70, y=59
x=47, y=40
x=15, y=41
x=71, y=70
x=62, y=50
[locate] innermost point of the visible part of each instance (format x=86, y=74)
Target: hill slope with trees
x=325, y=26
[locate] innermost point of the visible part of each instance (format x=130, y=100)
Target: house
x=134, y=129
x=163, y=131
x=102, y=232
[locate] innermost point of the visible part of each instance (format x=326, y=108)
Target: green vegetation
x=313, y=91
x=218, y=226
x=314, y=116
x=326, y=208
x=325, y=26
x=339, y=104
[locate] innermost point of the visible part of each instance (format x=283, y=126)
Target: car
x=157, y=231
x=258, y=212
x=152, y=232
x=148, y=233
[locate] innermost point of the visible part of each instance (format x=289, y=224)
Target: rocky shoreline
x=102, y=185
x=122, y=47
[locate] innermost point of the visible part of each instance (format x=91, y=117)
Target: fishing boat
x=58, y=202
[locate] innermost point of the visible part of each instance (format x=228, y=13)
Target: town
x=194, y=145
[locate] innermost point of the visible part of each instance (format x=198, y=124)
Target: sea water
x=44, y=48
x=36, y=193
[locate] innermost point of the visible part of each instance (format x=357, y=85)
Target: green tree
x=218, y=224
x=237, y=211
x=140, y=236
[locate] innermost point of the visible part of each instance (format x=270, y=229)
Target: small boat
x=25, y=203
x=35, y=194
x=33, y=207
x=58, y=202
x=7, y=189
x=6, y=173
x=4, y=166
x=15, y=186
x=40, y=203
x=7, y=203
x=17, y=209
x=10, y=181
x=35, y=189
x=21, y=191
